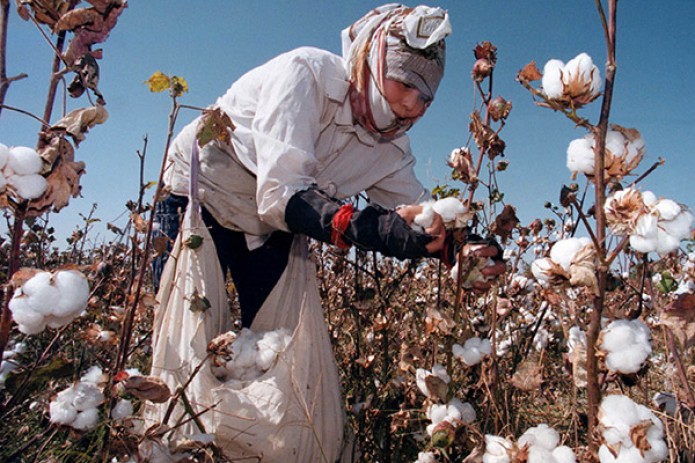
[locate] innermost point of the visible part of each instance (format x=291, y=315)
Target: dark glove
x=315, y=214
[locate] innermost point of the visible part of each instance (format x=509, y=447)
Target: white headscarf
x=394, y=41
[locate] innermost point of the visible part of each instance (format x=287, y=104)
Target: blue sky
x=215, y=41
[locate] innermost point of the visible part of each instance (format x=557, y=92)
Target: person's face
x=406, y=102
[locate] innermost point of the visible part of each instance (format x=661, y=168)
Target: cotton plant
x=539, y=444
x=630, y=432
x=49, y=299
x=625, y=345
x=652, y=224
x=20, y=172
x=577, y=82
x=472, y=351
x=78, y=405
x=571, y=260
x=246, y=355
x=624, y=150
x=446, y=418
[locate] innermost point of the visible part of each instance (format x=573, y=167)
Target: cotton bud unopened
x=49, y=299
x=630, y=432
x=626, y=345
x=77, y=406
x=575, y=84
x=472, y=351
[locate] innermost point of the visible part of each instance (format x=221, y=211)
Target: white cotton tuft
x=679, y=227
x=540, y=269
x=649, y=198
x=668, y=209
x=563, y=251
x=425, y=218
x=122, y=409
x=28, y=186
x=449, y=208
x=28, y=320
x=269, y=346
x=426, y=457
x=439, y=371
x=564, y=454
x=615, y=142
x=94, y=375
x=497, y=449
x=541, y=435
x=74, y=293
x=41, y=292
x=472, y=351
x=627, y=344
x=86, y=420
x=580, y=156
x=552, y=79
x=582, y=68
x=61, y=412
x=540, y=455
x=4, y=156
x=24, y=161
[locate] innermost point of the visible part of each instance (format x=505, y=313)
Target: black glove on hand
x=315, y=214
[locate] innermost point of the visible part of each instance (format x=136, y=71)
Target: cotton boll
x=24, y=161
x=542, y=436
x=461, y=411
x=666, y=243
x=41, y=292
x=94, y=375
x=4, y=155
x=425, y=218
x=425, y=457
x=440, y=371
x=28, y=320
x=564, y=454
x=122, y=409
x=58, y=322
x=497, y=449
x=449, y=208
x=61, y=412
x=615, y=142
x=87, y=396
x=642, y=244
x=552, y=79
x=580, y=156
x=540, y=455
x=28, y=186
x=679, y=227
x=563, y=251
x=86, y=420
x=649, y=198
x=437, y=413
x=541, y=268
x=74, y=292
x=579, y=67
x=668, y=209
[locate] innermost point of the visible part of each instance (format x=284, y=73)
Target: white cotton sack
x=74, y=293
x=4, y=155
x=24, y=161
x=552, y=79
x=28, y=186
x=580, y=156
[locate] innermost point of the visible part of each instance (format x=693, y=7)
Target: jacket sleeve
x=315, y=214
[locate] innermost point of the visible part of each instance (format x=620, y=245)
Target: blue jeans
x=254, y=272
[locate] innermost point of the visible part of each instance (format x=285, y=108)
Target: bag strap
x=193, y=176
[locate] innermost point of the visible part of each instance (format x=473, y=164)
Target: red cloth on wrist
x=340, y=223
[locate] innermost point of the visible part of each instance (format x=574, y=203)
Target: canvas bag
x=294, y=411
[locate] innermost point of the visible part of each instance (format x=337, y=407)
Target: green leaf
x=194, y=241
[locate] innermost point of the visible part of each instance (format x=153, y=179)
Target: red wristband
x=340, y=223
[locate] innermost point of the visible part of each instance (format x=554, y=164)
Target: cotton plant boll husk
x=582, y=68
x=580, y=156
x=28, y=186
x=449, y=208
x=564, y=454
x=74, y=292
x=86, y=420
x=497, y=449
x=122, y=409
x=4, y=155
x=541, y=435
x=41, y=292
x=24, y=161
x=563, y=251
x=552, y=79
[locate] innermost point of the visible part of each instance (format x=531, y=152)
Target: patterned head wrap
x=394, y=42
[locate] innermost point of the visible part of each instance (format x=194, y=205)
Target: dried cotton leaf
x=150, y=388
x=679, y=316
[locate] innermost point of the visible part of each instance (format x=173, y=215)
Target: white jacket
x=294, y=128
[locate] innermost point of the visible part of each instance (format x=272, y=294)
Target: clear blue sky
x=212, y=42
